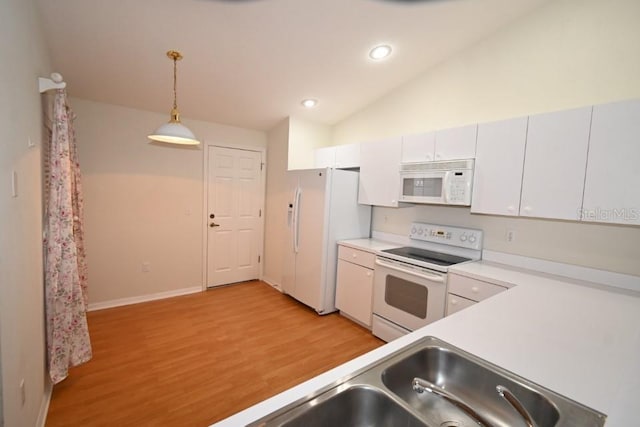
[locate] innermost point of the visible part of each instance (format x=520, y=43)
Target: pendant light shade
x=174, y=132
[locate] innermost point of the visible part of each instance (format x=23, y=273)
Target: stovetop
x=424, y=255
x=437, y=247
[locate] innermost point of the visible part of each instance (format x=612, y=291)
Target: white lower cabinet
x=354, y=284
x=456, y=303
x=465, y=291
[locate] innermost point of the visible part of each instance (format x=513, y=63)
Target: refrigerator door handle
x=296, y=220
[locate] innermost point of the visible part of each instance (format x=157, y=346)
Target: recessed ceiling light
x=309, y=103
x=380, y=52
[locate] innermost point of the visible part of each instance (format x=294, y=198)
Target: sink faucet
x=421, y=385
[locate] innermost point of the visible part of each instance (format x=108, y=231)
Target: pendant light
x=174, y=132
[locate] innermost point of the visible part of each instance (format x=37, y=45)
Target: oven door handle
x=426, y=276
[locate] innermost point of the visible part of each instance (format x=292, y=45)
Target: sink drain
x=450, y=424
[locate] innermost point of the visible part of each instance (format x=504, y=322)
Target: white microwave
x=445, y=183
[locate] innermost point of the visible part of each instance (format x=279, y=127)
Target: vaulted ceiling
x=250, y=63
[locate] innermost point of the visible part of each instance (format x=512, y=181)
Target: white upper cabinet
x=347, y=156
x=447, y=144
x=338, y=156
x=555, y=164
x=380, y=172
x=324, y=157
x=456, y=143
x=499, y=163
x=419, y=148
x=612, y=185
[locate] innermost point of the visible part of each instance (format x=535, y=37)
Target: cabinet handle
x=510, y=208
x=454, y=302
x=428, y=157
x=527, y=209
x=474, y=289
x=368, y=274
x=354, y=255
x=438, y=156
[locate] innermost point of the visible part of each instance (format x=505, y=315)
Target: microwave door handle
x=430, y=277
x=445, y=185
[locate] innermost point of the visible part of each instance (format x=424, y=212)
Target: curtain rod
x=55, y=82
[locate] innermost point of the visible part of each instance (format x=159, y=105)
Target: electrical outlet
x=510, y=235
x=23, y=393
x=146, y=267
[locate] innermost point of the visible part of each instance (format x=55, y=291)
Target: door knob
x=213, y=224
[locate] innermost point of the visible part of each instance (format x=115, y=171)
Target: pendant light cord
x=175, y=92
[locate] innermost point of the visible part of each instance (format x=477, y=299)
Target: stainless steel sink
x=353, y=406
x=432, y=383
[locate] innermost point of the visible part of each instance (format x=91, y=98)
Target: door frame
x=205, y=200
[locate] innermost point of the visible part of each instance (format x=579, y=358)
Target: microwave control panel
x=455, y=236
x=459, y=191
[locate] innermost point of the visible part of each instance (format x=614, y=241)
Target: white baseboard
x=272, y=283
x=44, y=406
x=142, y=298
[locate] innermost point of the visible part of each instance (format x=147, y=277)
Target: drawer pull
x=475, y=289
x=454, y=302
x=355, y=255
x=368, y=274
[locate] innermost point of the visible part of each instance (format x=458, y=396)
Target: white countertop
x=580, y=341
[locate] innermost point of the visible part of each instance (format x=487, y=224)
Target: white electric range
x=410, y=282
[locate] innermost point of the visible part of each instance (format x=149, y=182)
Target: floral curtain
x=65, y=261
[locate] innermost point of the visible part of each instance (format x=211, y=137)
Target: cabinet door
x=456, y=143
x=456, y=303
x=347, y=156
x=354, y=291
x=555, y=163
x=418, y=148
x=497, y=178
x=612, y=185
x=324, y=157
x=380, y=173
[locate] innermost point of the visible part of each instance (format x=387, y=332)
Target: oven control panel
x=455, y=236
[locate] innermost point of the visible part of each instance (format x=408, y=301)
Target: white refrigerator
x=323, y=208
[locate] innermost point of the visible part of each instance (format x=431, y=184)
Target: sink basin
x=432, y=383
x=473, y=382
x=355, y=406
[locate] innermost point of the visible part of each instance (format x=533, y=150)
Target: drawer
x=456, y=303
x=356, y=256
x=473, y=289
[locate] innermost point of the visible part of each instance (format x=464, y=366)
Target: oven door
x=423, y=187
x=407, y=295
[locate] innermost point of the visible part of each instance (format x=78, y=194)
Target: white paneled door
x=234, y=204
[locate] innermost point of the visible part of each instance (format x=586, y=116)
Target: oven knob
x=472, y=239
x=413, y=230
x=463, y=238
x=420, y=231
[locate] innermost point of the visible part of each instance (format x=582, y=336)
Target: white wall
x=21, y=276
x=276, y=202
x=304, y=137
x=568, y=53
x=143, y=201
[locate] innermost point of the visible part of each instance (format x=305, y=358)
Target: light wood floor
x=196, y=359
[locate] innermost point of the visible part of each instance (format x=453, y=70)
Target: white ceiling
x=249, y=63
